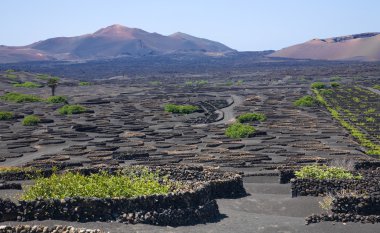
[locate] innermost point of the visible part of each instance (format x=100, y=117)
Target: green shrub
x=5, y=169
x=101, y=185
x=9, y=74
x=196, y=83
x=20, y=98
x=6, y=116
x=27, y=85
x=247, y=117
x=374, y=152
x=239, y=130
x=370, y=110
x=318, y=85
x=84, y=83
x=13, y=76
x=306, y=101
x=335, y=79
x=239, y=82
x=72, y=109
x=201, y=82
x=326, y=92
x=31, y=120
x=376, y=87
x=43, y=76
x=56, y=99
x=324, y=172
x=334, y=84
x=155, y=83
x=229, y=83
x=182, y=109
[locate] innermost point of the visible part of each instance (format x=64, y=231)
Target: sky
x=245, y=25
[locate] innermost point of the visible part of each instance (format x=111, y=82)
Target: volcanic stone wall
x=8, y=210
x=312, y=187
x=286, y=175
x=5, y=185
x=366, y=165
x=342, y=217
x=24, y=175
x=221, y=184
x=362, y=205
x=44, y=229
x=196, y=205
x=172, y=209
x=363, y=208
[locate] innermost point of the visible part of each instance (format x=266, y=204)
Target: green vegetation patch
x=370, y=110
x=101, y=185
x=229, y=83
x=5, y=169
x=334, y=84
x=201, y=82
x=196, y=83
x=20, y=98
x=326, y=92
x=248, y=117
x=31, y=120
x=335, y=79
x=318, y=85
x=72, y=109
x=56, y=99
x=370, y=119
x=155, y=83
x=10, y=74
x=43, y=76
x=239, y=130
x=325, y=172
x=84, y=83
x=28, y=85
x=239, y=82
x=13, y=76
x=6, y=116
x=181, y=109
x=306, y=101
x=377, y=86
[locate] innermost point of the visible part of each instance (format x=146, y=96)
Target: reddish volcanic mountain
x=359, y=47
x=109, y=42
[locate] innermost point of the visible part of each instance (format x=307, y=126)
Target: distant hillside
x=359, y=47
x=110, y=42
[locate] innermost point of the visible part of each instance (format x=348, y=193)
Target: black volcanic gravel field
x=128, y=126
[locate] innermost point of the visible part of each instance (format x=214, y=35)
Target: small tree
x=53, y=83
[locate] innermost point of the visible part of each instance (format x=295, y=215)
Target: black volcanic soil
x=128, y=126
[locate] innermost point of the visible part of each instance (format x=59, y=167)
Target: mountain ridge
x=109, y=42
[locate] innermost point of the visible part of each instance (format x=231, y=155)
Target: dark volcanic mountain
x=110, y=42
x=359, y=47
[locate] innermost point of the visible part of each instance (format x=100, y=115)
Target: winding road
x=228, y=112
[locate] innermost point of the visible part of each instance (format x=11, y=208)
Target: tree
x=53, y=83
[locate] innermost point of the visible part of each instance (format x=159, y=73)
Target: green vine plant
x=373, y=148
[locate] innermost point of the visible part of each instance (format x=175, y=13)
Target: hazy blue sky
x=240, y=24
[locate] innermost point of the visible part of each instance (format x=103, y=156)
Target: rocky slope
x=359, y=47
